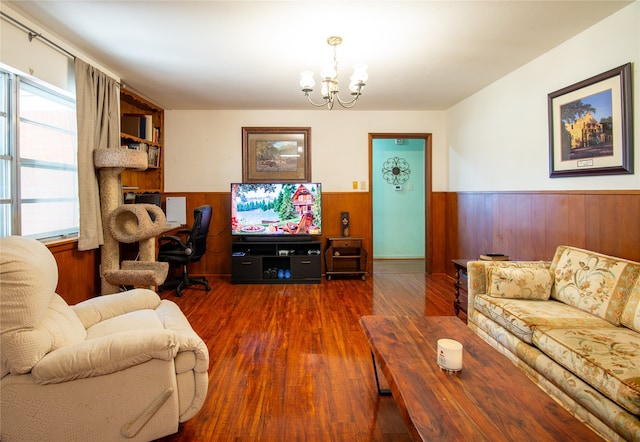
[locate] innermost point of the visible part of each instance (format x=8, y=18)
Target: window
x=38, y=159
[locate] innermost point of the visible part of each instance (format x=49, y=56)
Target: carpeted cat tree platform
x=127, y=223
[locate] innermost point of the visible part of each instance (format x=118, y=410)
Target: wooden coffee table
x=490, y=399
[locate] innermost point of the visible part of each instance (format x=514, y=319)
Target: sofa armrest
x=187, y=339
x=478, y=276
x=103, y=307
x=476, y=282
x=101, y=356
x=191, y=362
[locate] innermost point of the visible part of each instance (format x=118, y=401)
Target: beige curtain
x=98, y=115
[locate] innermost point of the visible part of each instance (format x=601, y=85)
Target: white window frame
x=10, y=153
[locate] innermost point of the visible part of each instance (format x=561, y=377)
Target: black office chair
x=185, y=249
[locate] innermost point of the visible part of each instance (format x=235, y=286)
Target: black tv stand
x=269, y=260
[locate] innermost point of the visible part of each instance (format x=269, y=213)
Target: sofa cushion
x=631, y=313
x=133, y=321
x=593, y=282
x=605, y=358
x=522, y=316
x=105, y=355
x=60, y=327
x=520, y=283
x=28, y=280
x=33, y=318
x=101, y=308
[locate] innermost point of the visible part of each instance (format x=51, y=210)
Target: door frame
x=428, y=222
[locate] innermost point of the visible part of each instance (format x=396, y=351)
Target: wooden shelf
x=152, y=179
x=138, y=139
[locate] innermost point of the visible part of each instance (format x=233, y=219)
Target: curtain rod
x=33, y=34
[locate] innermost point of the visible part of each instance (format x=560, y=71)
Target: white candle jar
x=449, y=355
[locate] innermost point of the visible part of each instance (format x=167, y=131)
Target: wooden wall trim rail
x=557, y=192
x=522, y=224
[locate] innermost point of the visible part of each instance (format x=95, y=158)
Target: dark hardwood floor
x=291, y=362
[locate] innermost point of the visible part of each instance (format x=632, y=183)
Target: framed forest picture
x=276, y=154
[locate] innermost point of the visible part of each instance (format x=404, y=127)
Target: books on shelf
x=494, y=257
x=154, y=156
x=136, y=146
x=153, y=152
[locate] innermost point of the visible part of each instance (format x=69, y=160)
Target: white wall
x=497, y=139
x=36, y=57
x=203, y=149
x=494, y=140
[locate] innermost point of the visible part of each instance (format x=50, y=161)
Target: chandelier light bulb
x=324, y=90
x=306, y=81
x=358, y=79
x=360, y=73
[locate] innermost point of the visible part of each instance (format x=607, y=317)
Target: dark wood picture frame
x=582, y=144
x=276, y=154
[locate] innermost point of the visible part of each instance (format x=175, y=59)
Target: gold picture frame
x=276, y=154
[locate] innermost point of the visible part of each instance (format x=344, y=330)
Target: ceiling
x=422, y=55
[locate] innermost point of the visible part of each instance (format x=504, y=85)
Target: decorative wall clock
x=396, y=170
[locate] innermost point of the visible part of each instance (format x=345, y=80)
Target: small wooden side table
x=460, y=285
x=345, y=256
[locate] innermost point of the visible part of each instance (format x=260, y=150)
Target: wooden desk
x=490, y=399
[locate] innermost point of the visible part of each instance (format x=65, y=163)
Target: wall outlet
x=354, y=185
x=363, y=185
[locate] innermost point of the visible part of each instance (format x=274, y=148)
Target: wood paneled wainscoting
x=523, y=225
x=78, y=272
x=530, y=225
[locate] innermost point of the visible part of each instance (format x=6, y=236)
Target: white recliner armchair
x=125, y=366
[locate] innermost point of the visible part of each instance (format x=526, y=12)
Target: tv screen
x=276, y=209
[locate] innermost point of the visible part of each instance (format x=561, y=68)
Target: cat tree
x=127, y=223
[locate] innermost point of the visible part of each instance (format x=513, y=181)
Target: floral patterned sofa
x=573, y=326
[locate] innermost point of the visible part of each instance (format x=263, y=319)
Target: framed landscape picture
x=276, y=154
x=590, y=126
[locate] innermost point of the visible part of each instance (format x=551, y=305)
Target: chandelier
x=330, y=87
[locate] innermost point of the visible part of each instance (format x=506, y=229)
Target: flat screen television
x=271, y=209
